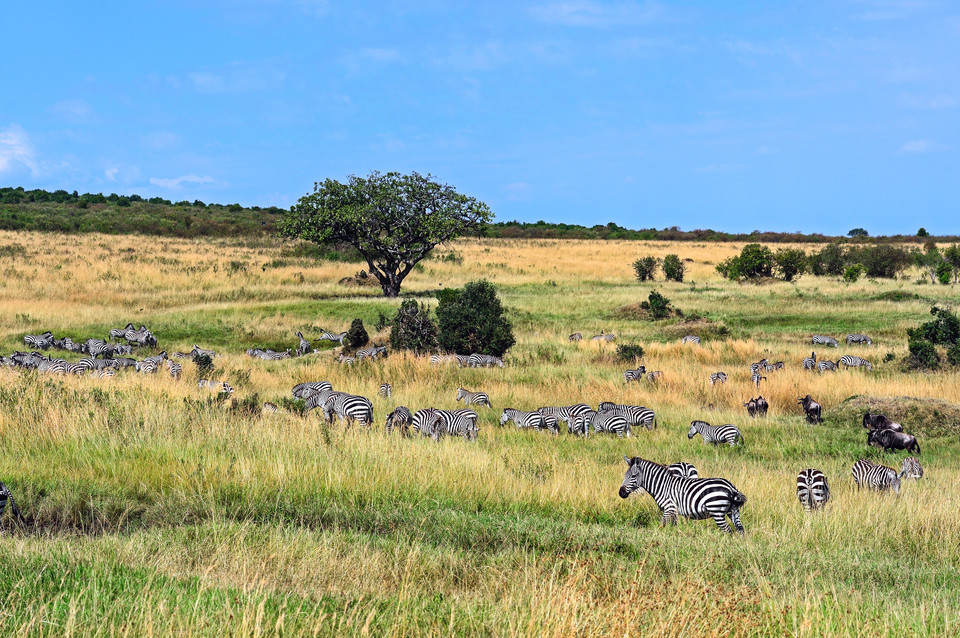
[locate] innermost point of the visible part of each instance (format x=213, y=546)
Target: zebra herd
x=475, y=360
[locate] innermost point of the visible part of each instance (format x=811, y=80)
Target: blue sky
x=813, y=116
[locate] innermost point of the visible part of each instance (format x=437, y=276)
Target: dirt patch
x=931, y=417
x=706, y=329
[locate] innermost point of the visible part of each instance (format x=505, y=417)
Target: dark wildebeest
x=889, y=440
x=880, y=422
x=811, y=408
x=757, y=407
x=751, y=407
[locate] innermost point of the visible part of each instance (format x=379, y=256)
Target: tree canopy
x=393, y=220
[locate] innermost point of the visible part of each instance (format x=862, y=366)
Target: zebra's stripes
x=385, y=390
x=473, y=398
x=821, y=340
x=758, y=366
x=440, y=359
x=373, y=352
x=812, y=489
x=911, y=468
x=826, y=366
x=117, y=333
x=654, y=375
x=683, y=470
x=757, y=378
x=810, y=363
x=97, y=364
x=715, y=434
x=697, y=499
x=690, y=339
x=634, y=414
x=348, y=408
x=317, y=399
x=770, y=367
x=423, y=421
x=39, y=342
x=270, y=408
x=522, y=419
x=576, y=336
x=175, y=369
x=7, y=497
x=304, y=347
x=463, y=360
x=852, y=361
x=875, y=477
x=634, y=375
x=718, y=377
x=329, y=336
x=604, y=336
x=609, y=421
x=461, y=422
x=400, y=419
x=226, y=388
x=567, y=413
x=484, y=361
x=851, y=339
x=304, y=390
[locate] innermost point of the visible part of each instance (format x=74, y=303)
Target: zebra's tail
x=738, y=499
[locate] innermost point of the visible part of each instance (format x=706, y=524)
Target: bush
x=357, y=336
x=923, y=354
x=471, y=319
x=882, y=260
x=754, y=261
x=204, y=364
x=944, y=272
x=953, y=354
x=629, y=352
x=853, y=273
x=658, y=305
x=645, y=267
x=858, y=232
x=922, y=232
x=673, y=268
x=830, y=260
x=412, y=328
x=944, y=330
x=791, y=263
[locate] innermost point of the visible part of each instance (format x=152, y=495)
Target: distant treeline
x=66, y=212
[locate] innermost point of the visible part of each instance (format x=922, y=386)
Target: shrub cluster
x=944, y=330
x=757, y=261
x=646, y=268
x=472, y=320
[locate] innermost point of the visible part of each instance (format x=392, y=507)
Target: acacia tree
x=393, y=220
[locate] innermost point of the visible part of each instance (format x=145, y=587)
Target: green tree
x=673, y=268
x=852, y=273
x=858, y=232
x=922, y=232
x=829, y=260
x=392, y=220
x=645, y=267
x=952, y=255
x=412, y=328
x=754, y=261
x=357, y=336
x=658, y=305
x=471, y=320
x=790, y=262
x=929, y=259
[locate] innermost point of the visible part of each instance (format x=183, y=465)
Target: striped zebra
x=770, y=367
x=911, y=468
x=222, y=386
x=271, y=355
x=564, y=413
x=147, y=367
x=348, y=408
x=608, y=421
x=156, y=359
x=461, y=422
x=317, y=399
x=463, y=360
x=852, y=361
x=304, y=390
x=440, y=359
x=401, y=419
x=423, y=421
x=757, y=378
x=604, y=336
x=373, y=352
x=550, y=421
x=634, y=414
x=697, y=499
x=304, y=347
x=635, y=375
x=473, y=398
x=270, y=408
x=107, y=373
x=683, y=470
x=758, y=366
x=125, y=362
x=715, y=434
x=820, y=340
x=117, y=333
x=718, y=377
x=97, y=364
x=345, y=359
x=484, y=361
x=576, y=336
x=226, y=388
x=875, y=477
x=197, y=351
x=385, y=390
x=851, y=339
x=522, y=419
x=175, y=369
x=810, y=363
x=329, y=336
x=39, y=342
x=7, y=497
x=690, y=339
x=654, y=376
x=826, y=366
x=812, y=489
x=74, y=368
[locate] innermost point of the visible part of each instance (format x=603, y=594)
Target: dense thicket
x=472, y=319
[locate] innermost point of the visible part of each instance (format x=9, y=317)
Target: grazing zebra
x=550, y=421
x=635, y=375
x=371, y=352
x=576, y=336
x=484, y=361
x=74, y=368
x=812, y=489
x=859, y=339
x=226, y=388
x=385, y=390
x=401, y=419
x=304, y=347
x=175, y=369
x=820, y=340
x=758, y=366
x=349, y=408
x=876, y=477
x=475, y=398
x=683, y=470
x=423, y=421
x=715, y=434
x=5, y=497
x=810, y=363
x=522, y=419
x=603, y=336
x=757, y=378
x=461, y=422
x=345, y=359
x=463, y=360
x=564, y=413
x=851, y=361
x=97, y=364
x=270, y=408
x=223, y=386
x=634, y=414
x=117, y=333
x=911, y=468
x=270, y=355
x=698, y=499
x=608, y=421
x=39, y=342
x=125, y=362
x=197, y=351
x=304, y=390
x=107, y=373
x=718, y=377
x=690, y=339
x=826, y=365
x=329, y=336
x=317, y=399
x=440, y=359
x=770, y=367
x=156, y=359
x=654, y=375
x=147, y=367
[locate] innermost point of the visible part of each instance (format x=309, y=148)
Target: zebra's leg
x=735, y=517
x=721, y=520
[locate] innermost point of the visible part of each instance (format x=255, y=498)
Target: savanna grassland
x=154, y=509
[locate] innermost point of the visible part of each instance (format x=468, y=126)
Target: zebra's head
x=460, y=393
x=505, y=417
x=693, y=430
x=631, y=480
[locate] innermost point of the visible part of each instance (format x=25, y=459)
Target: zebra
x=654, y=376
x=715, y=434
x=175, y=369
x=576, y=336
x=39, y=342
x=770, y=367
x=683, y=470
x=812, y=489
x=690, y=339
x=608, y=421
x=107, y=373
x=810, y=363
x=604, y=336
x=564, y=413
x=634, y=414
x=475, y=398
x=317, y=399
x=423, y=421
x=117, y=333
x=304, y=347
x=758, y=366
x=205, y=383
x=463, y=360
x=550, y=420
x=461, y=422
x=270, y=408
x=484, y=361
x=522, y=419
x=7, y=496
x=147, y=366
x=349, y=408
x=757, y=378
x=125, y=362
x=74, y=368
x=820, y=340
x=197, y=351
x=876, y=477
x=385, y=390
x=226, y=388
x=440, y=359
x=852, y=361
x=304, y=390
x=329, y=336
x=98, y=348
x=270, y=355
x=911, y=468
x=157, y=358
x=634, y=375
x=400, y=418
x=718, y=377
x=859, y=339
x=697, y=499
x=345, y=359
x=371, y=352
x=826, y=365
x=97, y=364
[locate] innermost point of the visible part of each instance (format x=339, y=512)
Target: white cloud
x=15, y=148
x=589, y=13
x=917, y=147
x=111, y=174
x=174, y=183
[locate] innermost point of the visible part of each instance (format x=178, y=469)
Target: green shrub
x=828, y=261
x=852, y=273
x=357, y=336
x=790, y=262
x=923, y=354
x=882, y=260
x=471, y=319
x=629, y=352
x=204, y=364
x=673, y=268
x=658, y=305
x=943, y=330
x=922, y=232
x=944, y=272
x=412, y=328
x=645, y=267
x=953, y=354
x=755, y=261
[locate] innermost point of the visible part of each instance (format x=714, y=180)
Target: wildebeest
x=880, y=422
x=811, y=408
x=888, y=440
x=757, y=407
